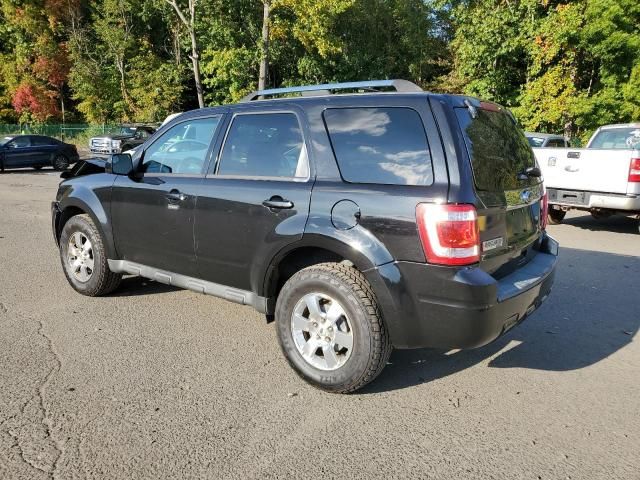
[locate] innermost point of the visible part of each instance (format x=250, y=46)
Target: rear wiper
x=530, y=172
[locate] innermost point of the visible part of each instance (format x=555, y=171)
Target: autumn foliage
x=35, y=101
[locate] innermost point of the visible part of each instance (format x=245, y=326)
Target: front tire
x=84, y=258
x=330, y=328
x=556, y=216
x=60, y=163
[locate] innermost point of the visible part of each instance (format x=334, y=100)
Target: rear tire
x=60, y=163
x=84, y=258
x=330, y=328
x=556, y=216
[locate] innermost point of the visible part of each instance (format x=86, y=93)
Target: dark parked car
x=36, y=151
x=359, y=222
x=546, y=140
x=127, y=138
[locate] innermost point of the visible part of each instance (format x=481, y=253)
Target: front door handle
x=278, y=202
x=175, y=196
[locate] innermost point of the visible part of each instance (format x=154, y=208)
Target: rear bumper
x=588, y=200
x=442, y=307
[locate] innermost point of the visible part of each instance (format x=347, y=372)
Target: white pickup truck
x=603, y=178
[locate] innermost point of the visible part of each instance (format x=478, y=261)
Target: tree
x=264, y=45
x=189, y=22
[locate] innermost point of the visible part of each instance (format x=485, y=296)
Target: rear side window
x=499, y=151
x=42, y=141
x=380, y=145
x=264, y=145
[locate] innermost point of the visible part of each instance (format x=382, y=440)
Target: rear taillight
x=449, y=233
x=544, y=211
x=634, y=170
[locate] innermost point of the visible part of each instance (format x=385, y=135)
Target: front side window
x=264, y=145
x=20, y=142
x=380, y=145
x=182, y=149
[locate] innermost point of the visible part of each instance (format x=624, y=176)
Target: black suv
x=359, y=222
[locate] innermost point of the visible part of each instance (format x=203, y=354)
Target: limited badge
x=491, y=244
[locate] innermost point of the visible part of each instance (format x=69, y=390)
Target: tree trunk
x=264, y=59
x=195, y=58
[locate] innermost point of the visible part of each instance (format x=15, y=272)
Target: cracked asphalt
x=155, y=382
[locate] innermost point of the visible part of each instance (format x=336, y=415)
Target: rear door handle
x=175, y=196
x=278, y=202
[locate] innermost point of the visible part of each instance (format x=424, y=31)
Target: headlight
x=116, y=143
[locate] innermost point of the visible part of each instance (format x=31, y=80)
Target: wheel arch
x=90, y=205
x=311, y=250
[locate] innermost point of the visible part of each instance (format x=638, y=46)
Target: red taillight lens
x=544, y=211
x=634, y=170
x=449, y=233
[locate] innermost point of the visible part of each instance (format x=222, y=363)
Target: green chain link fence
x=76, y=133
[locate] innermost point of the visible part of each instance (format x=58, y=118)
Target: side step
x=235, y=295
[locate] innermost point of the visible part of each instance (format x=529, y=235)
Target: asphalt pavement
x=155, y=382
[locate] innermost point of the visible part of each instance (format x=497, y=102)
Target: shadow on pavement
x=136, y=286
x=614, y=223
x=592, y=312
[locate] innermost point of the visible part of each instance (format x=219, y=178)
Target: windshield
x=498, y=149
x=617, y=138
x=5, y=140
x=127, y=130
x=535, y=141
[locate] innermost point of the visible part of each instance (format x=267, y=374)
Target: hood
x=90, y=166
x=119, y=136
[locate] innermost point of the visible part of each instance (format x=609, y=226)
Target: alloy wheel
x=80, y=257
x=322, y=331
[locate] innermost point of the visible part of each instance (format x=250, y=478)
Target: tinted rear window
x=497, y=147
x=617, y=138
x=380, y=145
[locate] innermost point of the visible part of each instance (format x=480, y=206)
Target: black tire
x=556, y=216
x=371, y=346
x=599, y=215
x=60, y=162
x=102, y=280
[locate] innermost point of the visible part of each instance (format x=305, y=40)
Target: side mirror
x=120, y=164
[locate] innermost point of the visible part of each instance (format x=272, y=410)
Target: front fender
x=92, y=195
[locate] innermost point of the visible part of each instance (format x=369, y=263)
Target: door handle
x=175, y=196
x=277, y=202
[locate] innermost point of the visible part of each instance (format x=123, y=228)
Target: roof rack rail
x=328, y=88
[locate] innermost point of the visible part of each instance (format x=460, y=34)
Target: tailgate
x=509, y=212
x=592, y=170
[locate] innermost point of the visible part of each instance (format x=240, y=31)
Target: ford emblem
x=525, y=195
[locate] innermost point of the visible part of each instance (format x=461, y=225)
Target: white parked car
x=603, y=178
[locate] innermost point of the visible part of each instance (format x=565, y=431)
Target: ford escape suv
x=360, y=217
